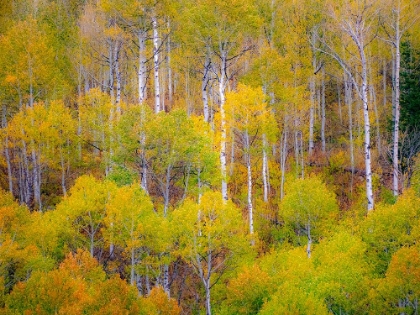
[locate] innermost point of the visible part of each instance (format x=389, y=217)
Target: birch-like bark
x=323, y=145
x=396, y=131
x=340, y=110
x=142, y=71
x=312, y=87
x=204, y=85
x=249, y=182
x=166, y=190
x=26, y=179
x=368, y=168
x=36, y=177
x=117, y=50
x=63, y=173
x=357, y=30
x=373, y=98
x=283, y=158
x=265, y=176
x=166, y=280
x=222, y=87
x=348, y=98
x=111, y=72
x=6, y=149
x=312, y=116
x=168, y=61
x=308, y=247
x=133, y=277
x=156, y=64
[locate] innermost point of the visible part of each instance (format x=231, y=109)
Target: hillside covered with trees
x=209, y=157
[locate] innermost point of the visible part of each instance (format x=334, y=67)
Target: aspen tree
x=399, y=17
x=356, y=22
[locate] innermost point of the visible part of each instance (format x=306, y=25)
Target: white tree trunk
x=204, y=86
x=6, y=150
x=249, y=182
x=348, y=99
x=117, y=50
x=142, y=71
x=222, y=87
x=166, y=280
x=132, y=269
x=312, y=86
x=308, y=247
x=323, y=145
x=63, y=173
x=156, y=64
x=395, y=163
x=368, y=161
x=168, y=59
x=36, y=178
x=265, y=176
x=283, y=158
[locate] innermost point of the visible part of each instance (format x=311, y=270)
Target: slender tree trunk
x=204, y=85
x=222, y=87
x=168, y=61
x=166, y=190
x=63, y=173
x=6, y=150
x=208, y=298
x=312, y=86
x=308, y=247
x=117, y=50
x=340, y=111
x=26, y=178
x=249, y=182
x=396, y=130
x=147, y=280
x=142, y=71
x=143, y=149
x=323, y=145
x=36, y=178
x=368, y=157
x=266, y=183
x=111, y=72
x=156, y=64
x=132, y=267
x=166, y=280
x=283, y=158
x=312, y=116
x=348, y=86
